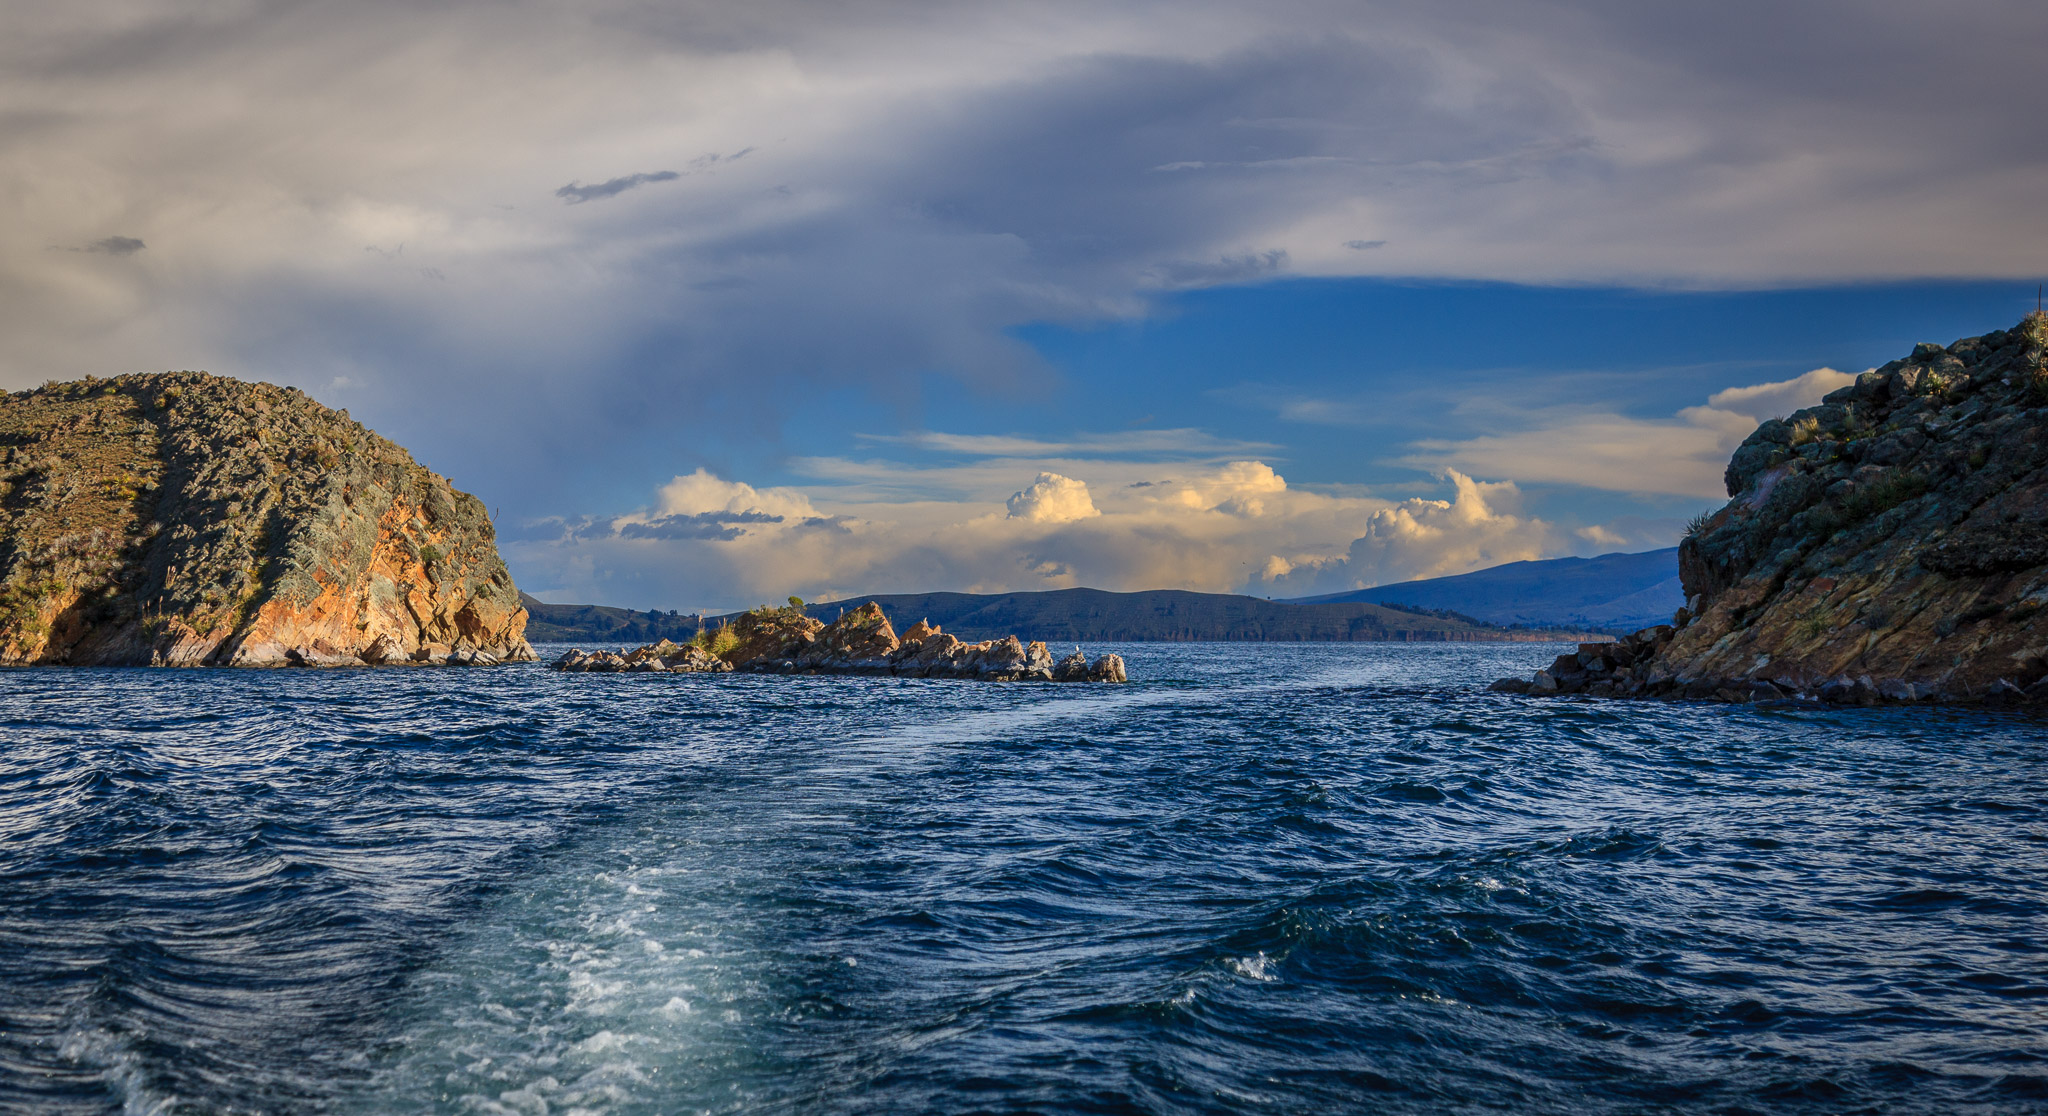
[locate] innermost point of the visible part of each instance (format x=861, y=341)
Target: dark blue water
x=1259, y=879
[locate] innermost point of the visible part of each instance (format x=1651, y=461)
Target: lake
x=1259, y=878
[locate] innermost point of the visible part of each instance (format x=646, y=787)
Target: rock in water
x=862, y=641
x=1888, y=545
x=186, y=519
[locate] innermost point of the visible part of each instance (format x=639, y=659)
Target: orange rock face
x=184, y=519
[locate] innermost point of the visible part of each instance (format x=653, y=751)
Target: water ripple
x=1260, y=879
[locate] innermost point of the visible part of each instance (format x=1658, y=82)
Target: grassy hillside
x=552, y=623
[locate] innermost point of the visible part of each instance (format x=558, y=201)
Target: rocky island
x=186, y=519
x=862, y=641
x=1887, y=545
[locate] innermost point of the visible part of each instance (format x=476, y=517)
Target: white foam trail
x=642, y=975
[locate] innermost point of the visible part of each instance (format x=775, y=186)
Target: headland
x=187, y=519
x=1889, y=545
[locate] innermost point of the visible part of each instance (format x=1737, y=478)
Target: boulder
x=1108, y=668
x=663, y=650
x=770, y=634
x=695, y=660
x=860, y=641
x=1073, y=668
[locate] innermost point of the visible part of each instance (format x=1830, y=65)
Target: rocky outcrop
x=862, y=641
x=185, y=519
x=1888, y=545
x=655, y=658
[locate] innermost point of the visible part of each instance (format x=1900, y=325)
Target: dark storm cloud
x=1229, y=269
x=920, y=180
x=1129, y=161
x=575, y=194
x=116, y=246
x=703, y=525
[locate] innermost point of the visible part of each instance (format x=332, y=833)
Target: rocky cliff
x=185, y=519
x=1888, y=545
x=786, y=641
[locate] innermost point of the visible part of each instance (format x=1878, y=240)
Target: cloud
x=1175, y=274
x=1052, y=499
x=1240, y=488
x=702, y=494
x=575, y=194
x=116, y=246
x=921, y=182
x=1759, y=402
x=1183, y=442
x=1236, y=526
x=1479, y=526
x=702, y=525
x=1684, y=455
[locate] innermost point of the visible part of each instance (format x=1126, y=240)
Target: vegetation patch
x=716, y=642
x=1888, y=492
x=2034, y=351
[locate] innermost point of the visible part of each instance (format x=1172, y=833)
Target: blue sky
x=717, y=302
x=1336, y=383
x=1344, y=373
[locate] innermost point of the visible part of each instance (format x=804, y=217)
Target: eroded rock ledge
x=1887, y=546
x=184, y=519
x=785, y=641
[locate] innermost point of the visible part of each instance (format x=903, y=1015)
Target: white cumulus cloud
x=701, y=492
x=1053, y=499
x=1684, y=455
x=1234, y=526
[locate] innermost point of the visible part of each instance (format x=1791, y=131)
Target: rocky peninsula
x=186, y=519
x=1889, y=545
x=862, y=641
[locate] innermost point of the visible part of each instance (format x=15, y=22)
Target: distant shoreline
x=1084, y=616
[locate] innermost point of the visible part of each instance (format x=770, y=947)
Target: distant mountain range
x=1552, y=599
x=1073, y=616
x=553, y=623
x=1614, y=592
x=1089, y=615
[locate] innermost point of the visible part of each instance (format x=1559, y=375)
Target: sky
x=715, y=303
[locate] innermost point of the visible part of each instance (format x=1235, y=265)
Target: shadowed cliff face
x=1890, y=544
x=187, y=519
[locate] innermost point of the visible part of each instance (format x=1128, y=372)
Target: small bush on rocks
x=715, y=642
x=2034, y=337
